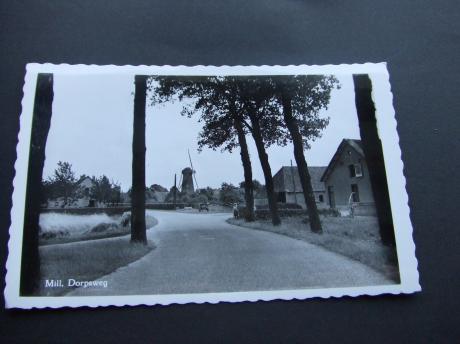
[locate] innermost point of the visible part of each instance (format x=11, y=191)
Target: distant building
x=346, y=179
x=82, y=199
x=153, y=196
x=343, y=184
x=288, y=188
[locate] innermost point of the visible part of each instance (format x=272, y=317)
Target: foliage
x=220, y=100
x=273, y=109
x=197, y=197
x=105, y=191
x=209, y=96
x=259, y=189
x=64, y=184
x=158, y=188
x=309, y=94
x=208, y=193
x=61, y=184
x=281, y=206
x=229, y=194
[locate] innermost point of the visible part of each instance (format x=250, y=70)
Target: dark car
x=203, y=207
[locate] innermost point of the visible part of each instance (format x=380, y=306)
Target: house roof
x=287, y=179
x=82, y=179
x=356, y=145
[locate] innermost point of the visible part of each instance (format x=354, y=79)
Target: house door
x=355, y=193
x=330, y=193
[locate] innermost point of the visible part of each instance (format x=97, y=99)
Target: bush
x=103, y=227
x=53, y=234
x=89, y=211
x=243, y=212
x=292, y=209
x=163, y=206
x=281, y=206
x=264, y=214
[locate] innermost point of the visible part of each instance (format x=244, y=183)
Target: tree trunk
x=246, y=160
x=30, y=262
x=305, y=180
x=263, y=157
x=138, y=230
x=373, y=152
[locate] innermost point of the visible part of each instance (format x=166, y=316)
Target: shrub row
x=89, y=211
x=264, y=214
x=281, y=206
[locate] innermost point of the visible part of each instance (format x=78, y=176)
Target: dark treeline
x=63, y=184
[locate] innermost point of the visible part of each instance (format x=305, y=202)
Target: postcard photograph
x=159, y=185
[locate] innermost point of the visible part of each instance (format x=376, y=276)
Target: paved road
x=199, y=253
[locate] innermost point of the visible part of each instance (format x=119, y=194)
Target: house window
x=354, y=193
x=355, y=170
x=321, y=198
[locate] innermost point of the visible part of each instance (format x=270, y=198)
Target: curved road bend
x=199, y=253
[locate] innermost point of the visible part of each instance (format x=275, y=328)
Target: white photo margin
x=386, y=122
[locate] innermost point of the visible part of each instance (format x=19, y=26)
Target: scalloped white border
x=386, y=121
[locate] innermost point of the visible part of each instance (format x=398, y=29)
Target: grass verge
x=111, y=232
x=86, y=261
x=356, y=238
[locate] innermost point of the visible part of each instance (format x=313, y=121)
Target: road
x=199, y=253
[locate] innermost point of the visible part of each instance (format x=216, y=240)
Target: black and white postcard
x=160, y=184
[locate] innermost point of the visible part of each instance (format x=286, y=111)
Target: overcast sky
x=92, y=123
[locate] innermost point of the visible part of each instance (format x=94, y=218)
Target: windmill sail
x=180, y=183
x=193, y=170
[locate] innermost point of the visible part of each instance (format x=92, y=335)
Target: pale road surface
x=199, y=253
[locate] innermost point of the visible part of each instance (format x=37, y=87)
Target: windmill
x=187, y=180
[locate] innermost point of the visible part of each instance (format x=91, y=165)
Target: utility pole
x=293, y=182
x=175, y=191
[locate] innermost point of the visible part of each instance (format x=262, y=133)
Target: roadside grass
x=110, y=232
x=356, y=238
x=86, y=261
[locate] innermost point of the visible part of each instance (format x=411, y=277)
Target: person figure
x=351, y=205
x=236, y=213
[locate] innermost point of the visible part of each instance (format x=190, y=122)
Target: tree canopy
x=217, y=99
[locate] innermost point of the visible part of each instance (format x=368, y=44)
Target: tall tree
x=64, y=181
x=222, y=119
x=229, y=194
x=372, y=147
x=255, y=95
x=102, y=189
x=301, y=98
x=247, y=168
x=256, y=131
x=30, y=260
x=259, y=189
x=115, y=194
x=138, y=230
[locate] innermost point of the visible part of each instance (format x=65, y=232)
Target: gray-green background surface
x=421, y=43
